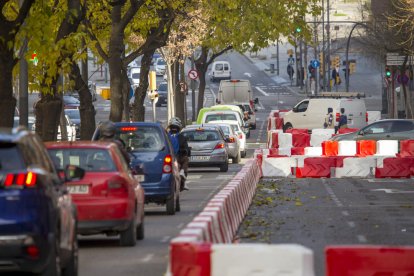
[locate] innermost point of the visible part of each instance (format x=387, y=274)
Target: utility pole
x=328, y=31
x=277, y=56
x=296, y=63
x=315, y=56
x=193, y=97
x=301, y=63
x=323, y=46
x=23, y=91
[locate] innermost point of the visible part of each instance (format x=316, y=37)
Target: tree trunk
x=47, y=112
x=125, y=95
x=116, y=48
x=179, y=96
x=201, y=66
x=86, y=109
x=138, y=112
x=8, y=101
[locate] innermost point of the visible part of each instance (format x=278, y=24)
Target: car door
x=402, y=130
x=298, y=116
x=376, y=131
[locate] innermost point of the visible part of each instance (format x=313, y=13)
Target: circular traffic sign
x=315, y=63
x=193, y=74
x=403, y=79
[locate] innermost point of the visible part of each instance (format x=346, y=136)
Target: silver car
x=208, y=147
x=232, y=140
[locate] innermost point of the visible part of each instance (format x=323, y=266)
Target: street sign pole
x=193, y=98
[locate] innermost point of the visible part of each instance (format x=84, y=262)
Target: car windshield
x=135, y=76
x=161, y=62
x=201, y=135
x=73, y=113
x=70, y=100
x=91, y=160
x=10, y=158
x=141, y=138
x=220, y=117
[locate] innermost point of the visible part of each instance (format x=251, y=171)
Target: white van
x=135, y=73
x=311, y=113
x=220, y=70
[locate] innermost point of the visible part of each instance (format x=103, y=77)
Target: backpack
x=175, y=142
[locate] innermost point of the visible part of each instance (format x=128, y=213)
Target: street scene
x=207, y=138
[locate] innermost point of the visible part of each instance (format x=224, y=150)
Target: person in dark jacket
x=180, y=146
x=107, y=131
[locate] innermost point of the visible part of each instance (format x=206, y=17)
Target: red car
x=109, y=198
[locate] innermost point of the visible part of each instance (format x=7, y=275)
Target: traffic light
x=321, y=62
x=298, y=30
x=152, y=81
x=335, y=61
x=352, y=67
x=34, y=58
x=387, y=72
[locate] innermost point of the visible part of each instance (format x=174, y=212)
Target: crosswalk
x=273, y=89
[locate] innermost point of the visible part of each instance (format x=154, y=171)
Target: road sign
x=315, y=63
x=183, y=87
x=193, y=74
x=394, y=59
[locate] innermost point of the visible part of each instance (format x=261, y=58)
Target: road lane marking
x=345, y=213
x=361, y=238
x=351, y=224
x=194, y=176
x=165, y=239
x=147, y=258
x=261, y=91
x=332, y=194
x=392, y=191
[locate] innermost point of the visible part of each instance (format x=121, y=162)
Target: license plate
x=140, y=177
x=200, y=158
x=78, y=189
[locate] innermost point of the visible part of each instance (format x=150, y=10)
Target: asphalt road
x=320, y=212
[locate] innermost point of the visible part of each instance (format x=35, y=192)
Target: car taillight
x=232, y=140
x=33, y=251
x=20, y=179
x=219, y=146
x=337, y=115
x=117, y=185
x=167, y=167
x=366, y=117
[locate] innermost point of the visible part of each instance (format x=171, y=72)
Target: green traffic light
x=388, y=74
x=298, y=29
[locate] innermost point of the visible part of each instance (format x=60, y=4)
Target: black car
x=162, y=94
x=37, y=217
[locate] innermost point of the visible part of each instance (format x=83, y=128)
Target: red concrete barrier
x=279, y=123
x=275, y=140
x=190, y=259
x=369, y=261
x=316, y=167
x=347, y=130
x=297, y=151
x=330, y=148
x=406, y=148
x=398, y=167
x=300, y=139
x=297, y=130
x=366, y=147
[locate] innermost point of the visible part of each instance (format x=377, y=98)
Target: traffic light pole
x=328, y=37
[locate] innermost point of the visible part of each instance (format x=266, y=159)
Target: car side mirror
x=295, y=109
x=73, y=173
x=361, y=133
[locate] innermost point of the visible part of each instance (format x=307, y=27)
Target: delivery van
x=220, y=70
x=311, y=113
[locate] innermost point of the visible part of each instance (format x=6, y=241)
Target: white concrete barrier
x=347, y=148
x=313, y=151
x=319, y=135
x=285, y=151
x=261, y=260
x=387, y=148
x=285, y=140
x=356, y=167
x=278, y=167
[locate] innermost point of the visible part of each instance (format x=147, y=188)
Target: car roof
x=79, y=144
x=13, y=135
x=151, y=124
x=204, y=126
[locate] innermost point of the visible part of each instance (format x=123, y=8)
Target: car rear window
x=91, y=160
x=135, y=75
x=10, y=158
x=235, y=128
x=141, y=138
x=201, y=135
x=225, y=129
x=220, y=117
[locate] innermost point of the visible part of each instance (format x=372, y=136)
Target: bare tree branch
x=214, y=56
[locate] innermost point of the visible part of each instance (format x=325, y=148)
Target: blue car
x=37, y=217
x=152, y=162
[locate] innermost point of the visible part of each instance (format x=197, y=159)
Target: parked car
x=70, y=102
x=31, y=122
x=162, y=94
x=160, y=66
x=152, y=158
x=135, y=74
x=209, y=147
x=70, y=130
x=109, y=199
x=37, y=217
x=392, y=129
x=74, y=116
x=232, y=141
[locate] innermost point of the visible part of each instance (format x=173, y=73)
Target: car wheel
x=72, y=267
x=140, y=230
x=128, y=237
x=287, y=126
x=53, y=267
x=177, y=204
x=224, y=167
x=243, y=154
x=170, y=206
